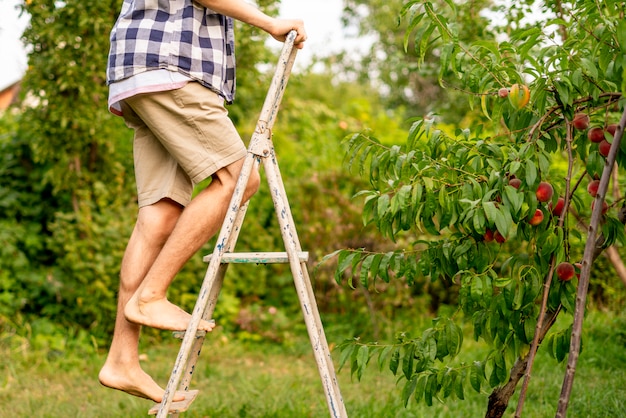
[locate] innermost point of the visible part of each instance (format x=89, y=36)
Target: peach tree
x=496, y=206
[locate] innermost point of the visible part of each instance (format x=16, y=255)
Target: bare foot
x=161, y=314
x=133, y=381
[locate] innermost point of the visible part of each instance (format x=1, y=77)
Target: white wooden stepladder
x=260, y=149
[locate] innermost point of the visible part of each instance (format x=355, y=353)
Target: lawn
x=261, y=379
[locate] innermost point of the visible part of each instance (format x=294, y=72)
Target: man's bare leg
x=122, y=370
x=200, y=220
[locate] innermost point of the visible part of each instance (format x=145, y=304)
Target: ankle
x=145, y=296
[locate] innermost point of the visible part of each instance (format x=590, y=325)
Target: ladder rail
x=215, y=286
x=303, y=286
x=209, y=291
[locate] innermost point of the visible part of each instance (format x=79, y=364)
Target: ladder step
x=181, y=334
x=177, y=407
x=258, y=258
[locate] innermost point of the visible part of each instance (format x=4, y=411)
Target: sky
x=321, y=18
x=322, y=23
x=13, y=55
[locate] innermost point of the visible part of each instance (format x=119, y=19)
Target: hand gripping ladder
x=259, y=149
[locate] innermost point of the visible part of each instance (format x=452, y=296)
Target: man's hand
x=281, y=28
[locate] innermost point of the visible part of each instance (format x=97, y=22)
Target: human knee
x=156, y=222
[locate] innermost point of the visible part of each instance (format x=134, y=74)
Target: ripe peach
x=544, y=191
x=498, y=237
x=558, y=208
x=537, y=218
x=611, y=129
x=488, y=236
x=503, y=93
x=565, y=271
x=515, y=182
x=595, y=134
x=605, y=206
x=592, y=187
x=581, y=121
x=604, y=147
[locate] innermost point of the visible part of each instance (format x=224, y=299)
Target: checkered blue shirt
x=177, y=35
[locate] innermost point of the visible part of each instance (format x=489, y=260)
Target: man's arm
x=247, y=13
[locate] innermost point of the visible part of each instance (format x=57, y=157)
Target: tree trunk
x=500, y=397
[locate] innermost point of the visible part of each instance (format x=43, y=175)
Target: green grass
x=246, y=379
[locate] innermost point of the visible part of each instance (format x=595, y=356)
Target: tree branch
x=583, y=284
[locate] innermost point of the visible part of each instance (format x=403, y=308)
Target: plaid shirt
x=177, y=35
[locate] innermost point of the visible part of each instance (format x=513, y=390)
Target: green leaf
x=568, y=297
x=458, y=387
x=477, y=288
x=382, y=356
x=447, y=377
x=503, y=221
x=365, y=269
x=531, y=173
x=384, y=265
x=620, y=32
x=382, y=205
x=407, y=360
x=529, y=329
x=563, y=90
x=476, y=375
x=463, y=248
x=483, y=105
x=491, y=212
x=518, y=299
x=375, y=264
x=346, y=353
x=431, y=389
x=395, y=361
x=362, y=358
x=408, y=389
x=513, y=198
x=430, y=349
x=454, y=335
x=345, y=260
x=422, y=379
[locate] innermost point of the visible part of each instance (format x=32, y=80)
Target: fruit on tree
x=604, y=147
x=581, y=121
x=544, y=191
x=519, y=95
x=558, y=208
x=499, y=237
x=592, y=187
x=605, y=206
x=515, y=182
x=595, y=134
x=578, y=268
x=503, y=93
x=565, y=271
x=611, y=129
x=488, y=236
x=537, y=218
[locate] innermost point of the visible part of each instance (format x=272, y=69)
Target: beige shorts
x=182, y=137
